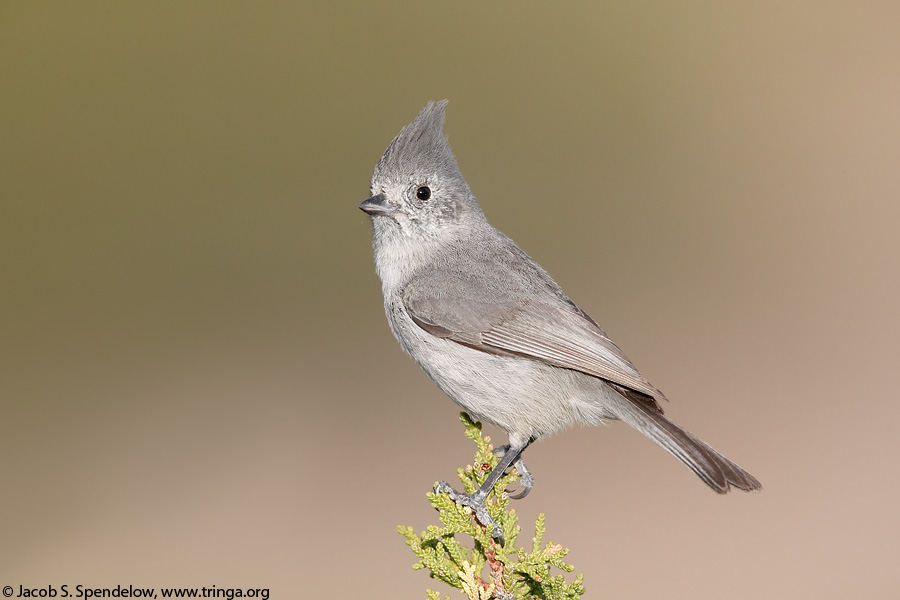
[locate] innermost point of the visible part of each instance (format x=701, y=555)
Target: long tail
x=715, y=470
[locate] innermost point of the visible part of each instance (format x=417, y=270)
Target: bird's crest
x=421, y=144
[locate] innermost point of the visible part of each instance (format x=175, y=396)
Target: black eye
x=423, y=193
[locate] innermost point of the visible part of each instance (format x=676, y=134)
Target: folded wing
x=556, y=332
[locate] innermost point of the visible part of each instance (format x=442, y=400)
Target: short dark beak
x=376, y=206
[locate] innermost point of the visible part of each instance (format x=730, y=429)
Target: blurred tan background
x=199, y=386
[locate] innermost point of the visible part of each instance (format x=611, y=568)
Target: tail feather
x=715, y=470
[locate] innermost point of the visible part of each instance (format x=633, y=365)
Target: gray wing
x=513, y=308
x=540, y=324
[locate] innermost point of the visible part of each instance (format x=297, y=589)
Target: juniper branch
x=477, y=565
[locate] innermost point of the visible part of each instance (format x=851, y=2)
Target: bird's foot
x=526, y=479
x=476, y=503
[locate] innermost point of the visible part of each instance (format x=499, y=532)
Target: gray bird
x=492, y=329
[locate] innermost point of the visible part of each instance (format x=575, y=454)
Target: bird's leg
x=526, y=479
x=476, y=501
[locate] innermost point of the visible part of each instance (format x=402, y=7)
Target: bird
x=493, y=330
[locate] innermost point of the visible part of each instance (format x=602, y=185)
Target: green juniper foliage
x=512, y=573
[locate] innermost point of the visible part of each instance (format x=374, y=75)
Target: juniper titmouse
x=490, y=326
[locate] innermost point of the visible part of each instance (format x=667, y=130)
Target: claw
x=476, y=503
x=526, y=479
